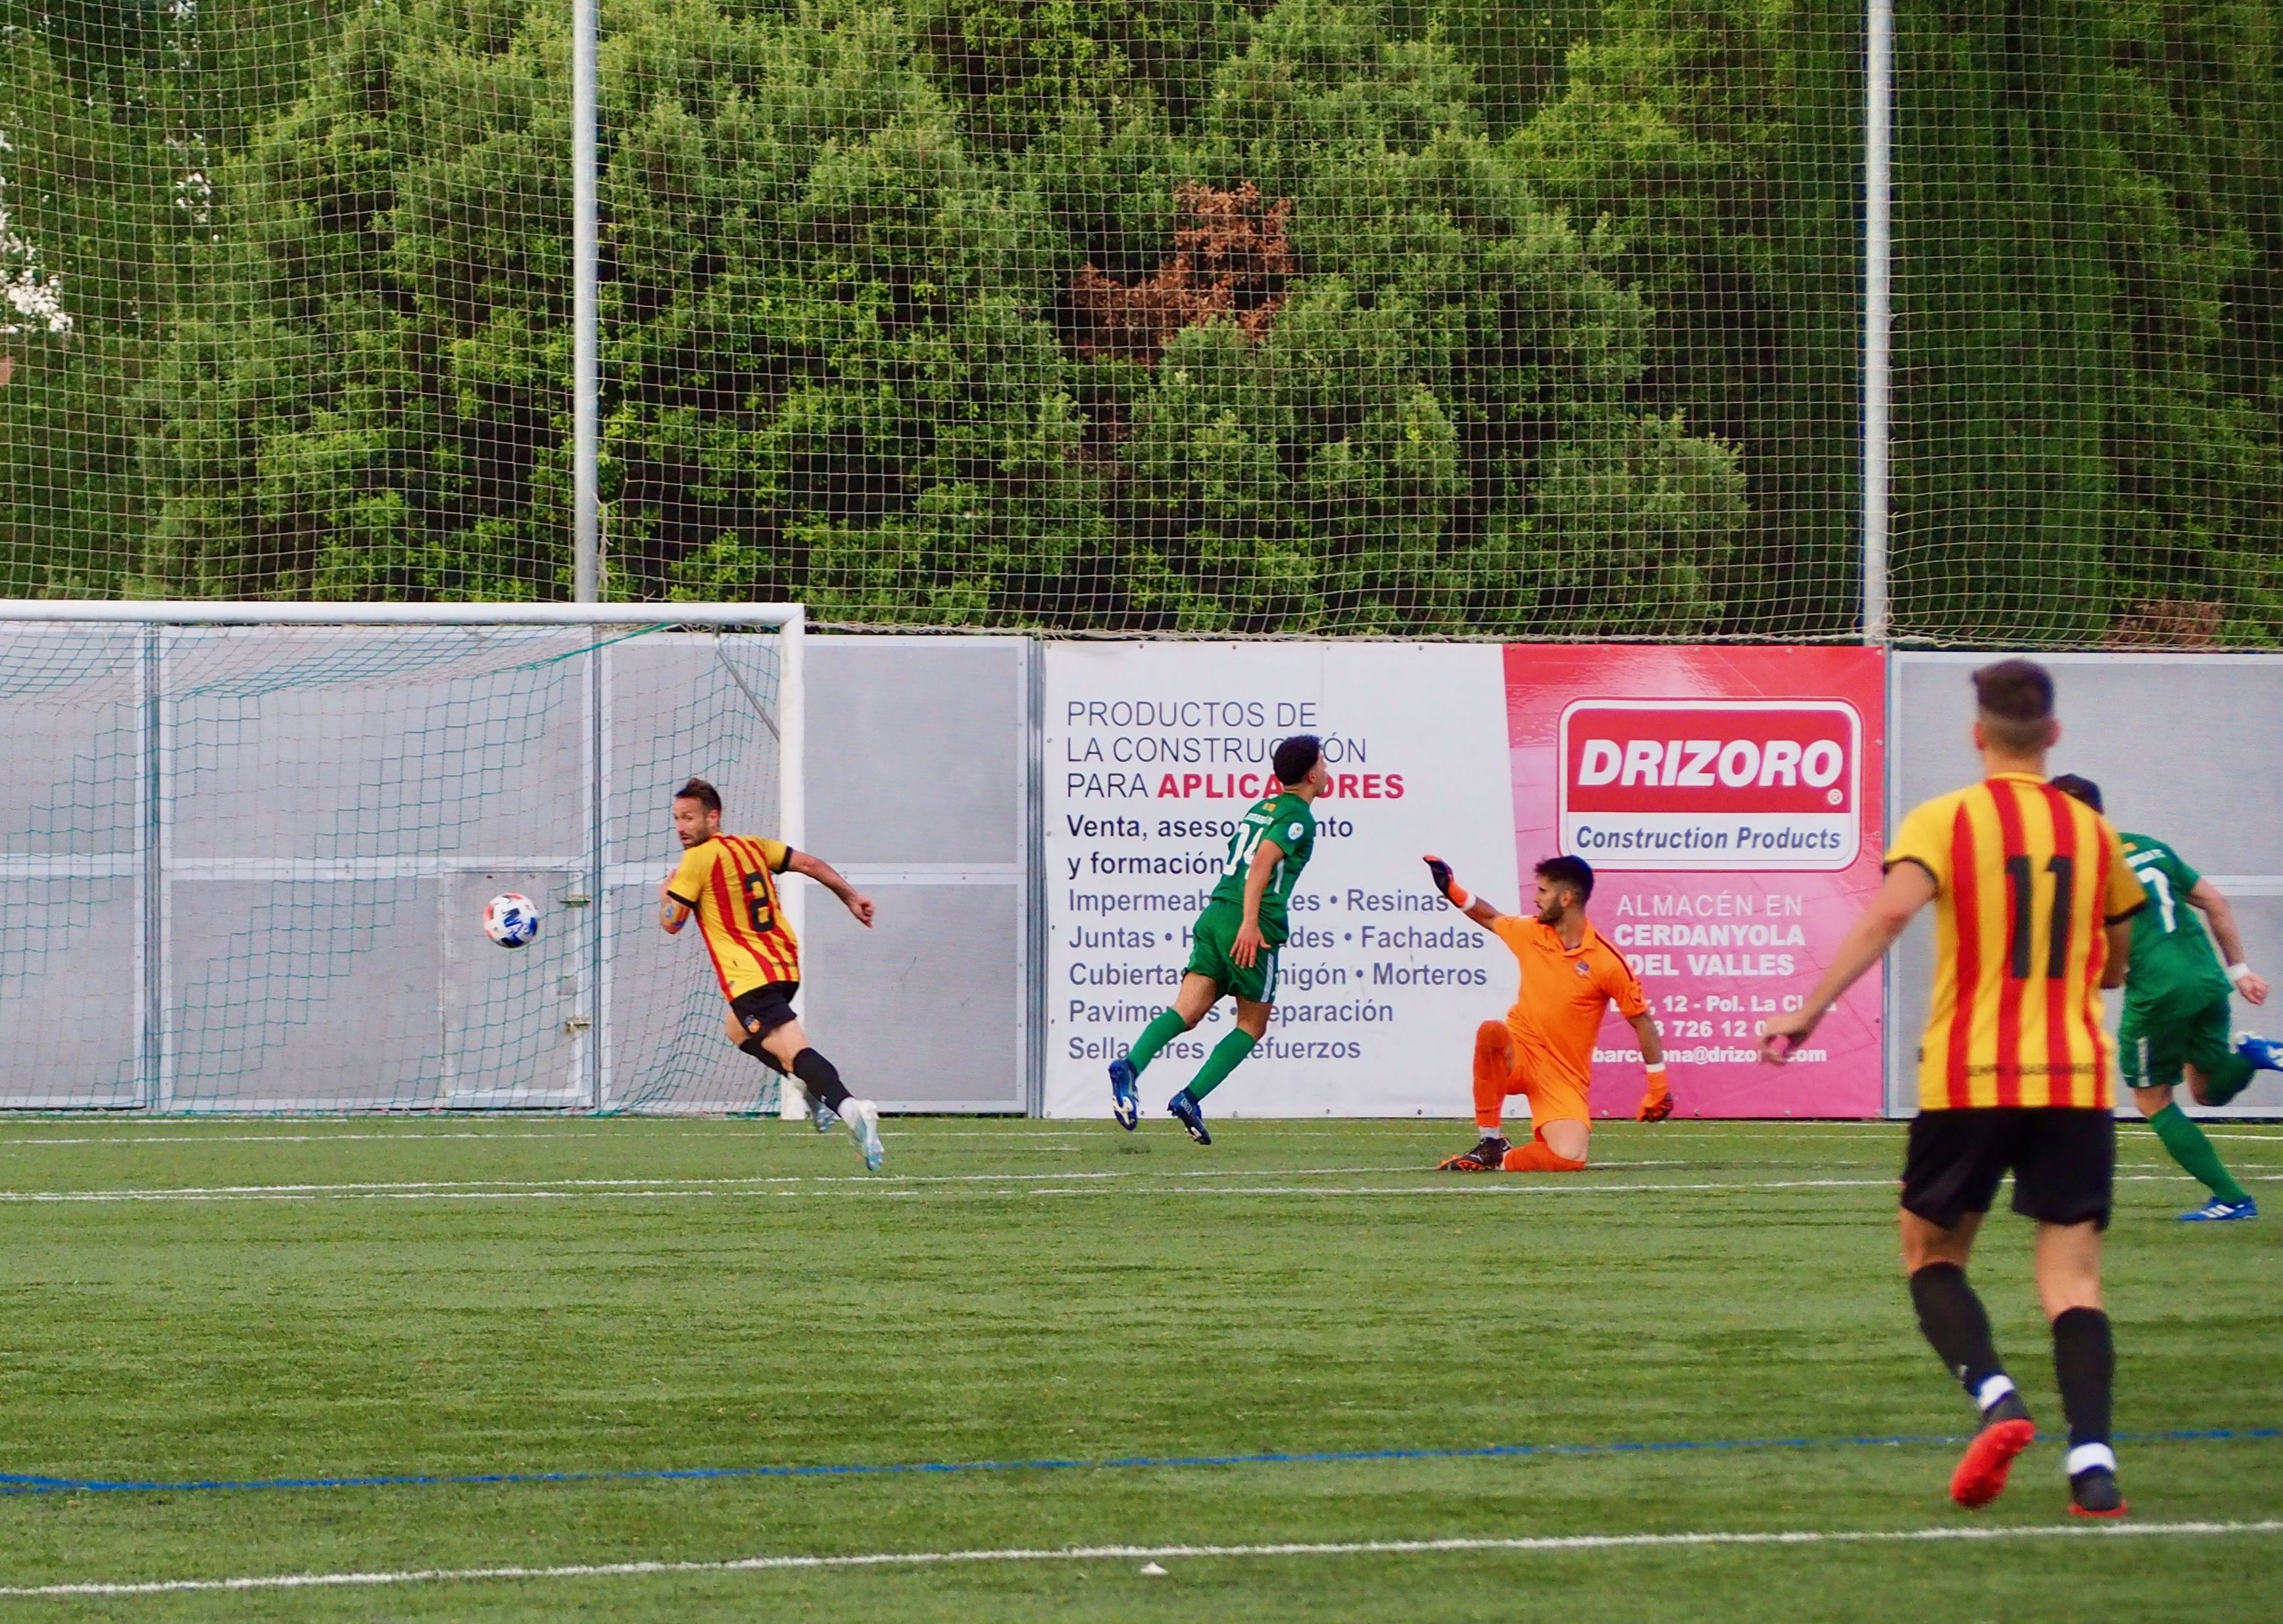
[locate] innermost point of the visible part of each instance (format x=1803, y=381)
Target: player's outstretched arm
x=2206, y=895
x=824, y=874
x=1249, y=942
x=1906, y=889
x=1465, y=901
x=1652, y=1041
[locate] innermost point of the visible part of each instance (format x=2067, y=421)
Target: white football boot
x=863, y=1119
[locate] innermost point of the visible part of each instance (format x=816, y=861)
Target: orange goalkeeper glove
x=1657, y=1099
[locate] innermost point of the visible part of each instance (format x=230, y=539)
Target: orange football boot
x=1981, y=1474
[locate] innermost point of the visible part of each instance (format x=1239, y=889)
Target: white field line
x=1043, y=1138
x=131, y=1139
x=756, y=1181
x=1566, y=1185
x=965, y=1184
x=172, y=1132
x=1543, y=1544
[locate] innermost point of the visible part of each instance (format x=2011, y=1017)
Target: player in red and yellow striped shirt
x=729, y=883
x=2029, y=879
x=2033, y=902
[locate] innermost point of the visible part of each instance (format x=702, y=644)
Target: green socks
x=2226, y=1074
x=1154, y=1037
x=2189, y=1147
x=1227, y=1056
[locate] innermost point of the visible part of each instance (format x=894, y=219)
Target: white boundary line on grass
x=758, y=1182
x=876, y=1188
x=178, y=1138
x=1160, y=1553
x=1048, y=1136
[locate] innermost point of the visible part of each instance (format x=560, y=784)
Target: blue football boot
x=1124, y=1102
x=2265, y=1053
x=1186, y=1111
x=2217, y=1211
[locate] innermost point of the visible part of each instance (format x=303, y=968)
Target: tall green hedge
x=1438, y=316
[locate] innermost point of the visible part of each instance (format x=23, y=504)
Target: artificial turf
x=192, y=1302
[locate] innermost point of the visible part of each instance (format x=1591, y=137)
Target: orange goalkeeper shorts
x=1503, y=1068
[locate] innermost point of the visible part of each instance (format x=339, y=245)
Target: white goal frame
x=788, y=620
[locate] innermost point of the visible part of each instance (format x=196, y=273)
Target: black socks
x=2085, y=1364
x=822, y=1078
x=1951, y=1317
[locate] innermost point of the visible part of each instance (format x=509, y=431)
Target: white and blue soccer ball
x=511, y=919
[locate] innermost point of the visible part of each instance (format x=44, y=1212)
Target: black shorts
x=762, y=1010
x=2063, y=1160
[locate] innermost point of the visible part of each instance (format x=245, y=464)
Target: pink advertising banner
x=1729, y=801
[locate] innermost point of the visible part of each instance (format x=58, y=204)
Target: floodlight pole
x=1878, y=309
x=586, y=361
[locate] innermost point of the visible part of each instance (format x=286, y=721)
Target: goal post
x=244, y=850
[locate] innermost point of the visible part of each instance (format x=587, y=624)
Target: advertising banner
x=1728, y=801
x=1153, y=750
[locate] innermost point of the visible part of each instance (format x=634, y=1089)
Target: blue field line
x=17, y=1483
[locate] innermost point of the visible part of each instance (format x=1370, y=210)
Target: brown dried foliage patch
x=1231, y=261
x=2168, y=624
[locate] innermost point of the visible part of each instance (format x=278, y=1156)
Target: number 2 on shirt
x=757, y=900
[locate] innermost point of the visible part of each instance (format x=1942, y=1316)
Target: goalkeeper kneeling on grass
x=1544, y=1047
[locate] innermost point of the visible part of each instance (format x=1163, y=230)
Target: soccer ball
x=510, y=920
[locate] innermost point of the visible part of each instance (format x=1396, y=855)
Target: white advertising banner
x=1152, y=752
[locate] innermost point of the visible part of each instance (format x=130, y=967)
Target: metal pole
x=596, y=1004
x=151, y=1058
x=1878, y=114
x=792, y=790
x=585, y=363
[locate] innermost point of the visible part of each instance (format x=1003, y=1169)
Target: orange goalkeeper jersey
x=2026, y=879
x=1564, y=993
x=731, y=882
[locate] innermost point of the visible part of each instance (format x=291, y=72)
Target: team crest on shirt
x=1583, y=974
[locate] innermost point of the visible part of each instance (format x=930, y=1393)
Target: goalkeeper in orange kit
x=1544, y=1047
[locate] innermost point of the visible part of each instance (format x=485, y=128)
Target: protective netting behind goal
x=2088, y=281
x=1446, y=318
x=244, y=868
x=1395, y=317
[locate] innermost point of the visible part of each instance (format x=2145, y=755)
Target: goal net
x=244, y=867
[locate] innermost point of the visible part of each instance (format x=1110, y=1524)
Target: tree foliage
x=1217, y=315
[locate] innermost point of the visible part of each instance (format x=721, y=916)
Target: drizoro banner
x=1729, y=801
x=1727, y=798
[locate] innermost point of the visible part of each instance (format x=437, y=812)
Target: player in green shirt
x=1234, y=941
x=2176, y=1010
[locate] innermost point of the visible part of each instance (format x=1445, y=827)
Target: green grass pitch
x=189, y=1302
